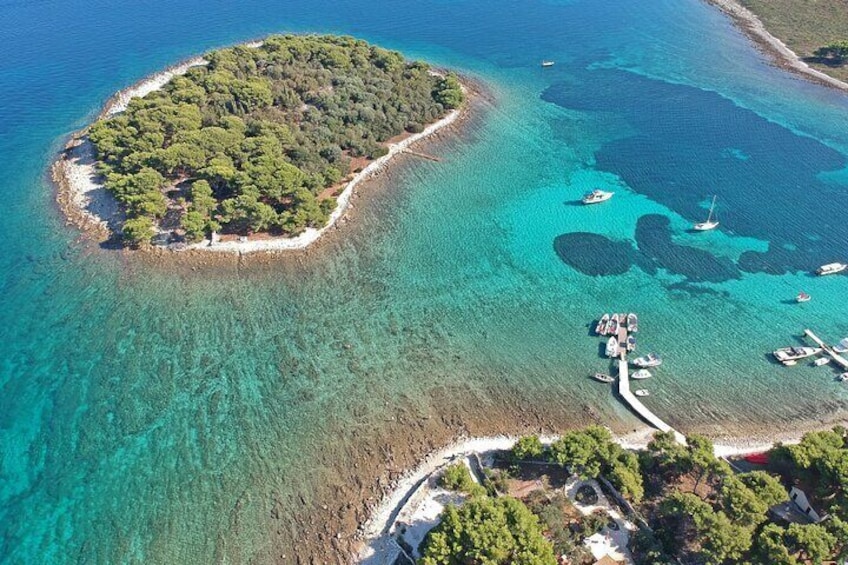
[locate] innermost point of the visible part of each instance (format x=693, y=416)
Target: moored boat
x=842, y=346
x=821, y=361
x=631, y=343
x=802, y=297
x=642, y=392
x=602, y=377
x=632, y=322
x=596, y=196
x=843, y=377
x=710, y=223
x=612, y=347
x=831, y=269
x=601, y=328
x=788, y=355
x=649, y=360
x=612, y=328
x=641, y=374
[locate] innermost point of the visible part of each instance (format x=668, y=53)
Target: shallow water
x=146, y=417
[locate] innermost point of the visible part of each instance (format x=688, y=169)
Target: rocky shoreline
x=90, y=208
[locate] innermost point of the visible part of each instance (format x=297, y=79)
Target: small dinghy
x=642, y=392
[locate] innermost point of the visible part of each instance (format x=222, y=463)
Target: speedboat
x=787, y=354
x=802, y=297
x=821, y=361
x=603, y=378
x=641, y=374
x=632, y=322
x=601, y=328
x=831, y=269
x=612, y=347
x=631, y=343
x=649, y=360
x=642, y=392
x=547, y=63
x=596, y=196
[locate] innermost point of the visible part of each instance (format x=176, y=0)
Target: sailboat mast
x=710, y=216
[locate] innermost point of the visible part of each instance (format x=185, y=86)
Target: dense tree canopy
x=488, y=531
x=249, y=141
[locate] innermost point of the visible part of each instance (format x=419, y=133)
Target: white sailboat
x=710, y=223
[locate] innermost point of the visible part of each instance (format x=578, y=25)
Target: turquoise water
x=150, y=417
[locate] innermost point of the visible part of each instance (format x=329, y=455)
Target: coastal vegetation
x=689, y=505
x=256, y=139
x=808, y=28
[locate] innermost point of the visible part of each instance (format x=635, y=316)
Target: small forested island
x=261, y=138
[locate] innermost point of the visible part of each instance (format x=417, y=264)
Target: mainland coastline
x=89, y=207
x=777, y=50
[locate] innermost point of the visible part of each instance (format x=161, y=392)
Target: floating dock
x=840, y=360
x=637, y=406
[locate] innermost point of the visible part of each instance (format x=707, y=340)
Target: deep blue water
x=147, y=417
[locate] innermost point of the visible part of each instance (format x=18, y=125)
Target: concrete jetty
x=637, y=406
x=827, y=349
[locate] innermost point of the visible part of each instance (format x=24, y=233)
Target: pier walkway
x=637, y=406
x=827, y=349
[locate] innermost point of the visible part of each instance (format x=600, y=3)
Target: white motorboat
x=842, y=347
x=649, y=360
x=641, y=374
x=710, y=223
x=791, y=354
x=604, y=378
x=548, y=63
x=612, y=347
x=631, y=343
x=596, y=196
x=632, y=322
x=641, y=392
x=601, y=328
x=821, y=361
x=802, y=297
x=831, y=269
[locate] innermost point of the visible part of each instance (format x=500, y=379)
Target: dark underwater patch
x=594, y=254
x=686, y=146
x=653, y=237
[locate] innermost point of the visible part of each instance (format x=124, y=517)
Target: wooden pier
x=827, y=349
x=637, y=406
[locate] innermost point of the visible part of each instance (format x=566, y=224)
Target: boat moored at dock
x=641, y=392
x=792, y=354
x=632, y=322
x=641, y=374
x=631, y=343
x=831, y=269
x=649, y=360
x=601, y=328
x=603, y=377
x=612, y=347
